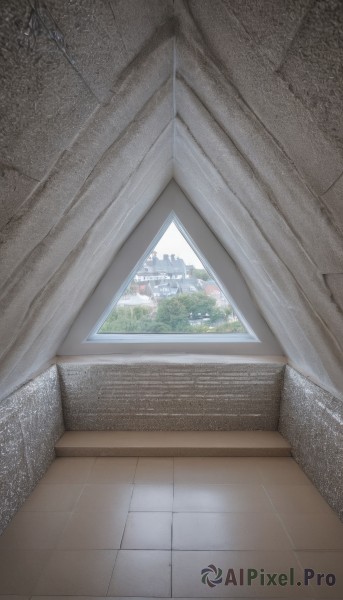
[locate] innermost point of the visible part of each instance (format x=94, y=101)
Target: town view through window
x=172, y=292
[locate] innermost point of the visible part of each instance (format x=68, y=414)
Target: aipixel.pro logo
x=213, y=576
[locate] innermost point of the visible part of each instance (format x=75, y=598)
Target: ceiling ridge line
x=331, y=342
x=162, y=91
x=72, y=255
x=8, y=289
x=250, y=114
x=35, y=197
x=264, y=187
x=174, y=93
x=162, y=34
x=198, y=44
x=226, y=184
x=298, y=285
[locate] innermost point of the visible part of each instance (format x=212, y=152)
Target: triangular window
x=172, y=292
x=171, y=287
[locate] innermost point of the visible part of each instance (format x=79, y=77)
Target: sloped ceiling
x=104, y=102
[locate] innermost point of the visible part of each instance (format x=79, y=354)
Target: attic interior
x=111, y=110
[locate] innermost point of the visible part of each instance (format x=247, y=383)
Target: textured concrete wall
x=312, y=421
x=103, y=102
x=80, y=185
x=254, y=151
x=30, y=424
x=159, y=396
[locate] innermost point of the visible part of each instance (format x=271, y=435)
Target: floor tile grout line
x=112, y=572
x=132, y=492
x=136, y=467
x=63, y=529
x=78, y=499
x=128, y=508
x=285, y=529
x=263, y=485
x=51, y=553
x=124, y=528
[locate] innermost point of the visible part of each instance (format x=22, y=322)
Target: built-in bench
x=172, y=443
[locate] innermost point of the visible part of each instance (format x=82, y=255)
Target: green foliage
x=178, y=314
x=229, y=327
x=201, y=274
x=174, y=312
x=228, y=310
x=126, y=319
x=198, y=304
x=149, y=326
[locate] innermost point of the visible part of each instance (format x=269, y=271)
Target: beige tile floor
x=142, y=528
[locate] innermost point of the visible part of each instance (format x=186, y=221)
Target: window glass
x=172, y=292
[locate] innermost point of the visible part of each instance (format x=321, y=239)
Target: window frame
x=171, y=205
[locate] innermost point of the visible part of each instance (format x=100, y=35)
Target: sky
x=173, y=242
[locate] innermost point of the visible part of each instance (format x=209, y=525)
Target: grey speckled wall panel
x=158, y=396
x=30, y=423
x=312, y=421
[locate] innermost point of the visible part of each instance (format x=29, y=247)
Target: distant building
x=159, y=269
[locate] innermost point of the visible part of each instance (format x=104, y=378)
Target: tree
x=198, y=304
x=173, y=312
x=200, y=274
x=126, y=319
x=155, y=327
x=183, y=313
x=179, y=310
